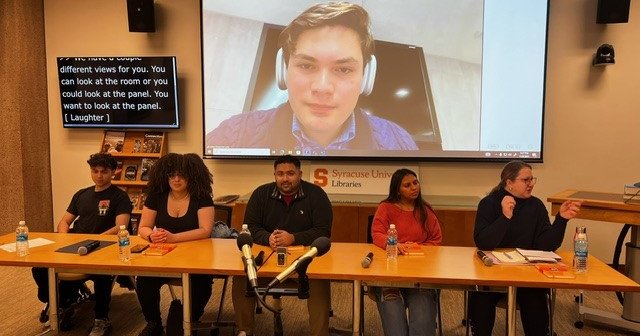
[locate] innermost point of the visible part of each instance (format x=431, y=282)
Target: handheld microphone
x=485, y=258
x=319, y=247
x=88, y=247
x=366, y=262
x=244, y=244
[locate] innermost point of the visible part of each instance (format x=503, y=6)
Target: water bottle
x=245, y=229
x=392, y=243
x=580, y=250
x=124, y=245
x=22, y=239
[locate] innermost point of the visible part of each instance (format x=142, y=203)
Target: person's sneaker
x=101, y=327
x=152, y=329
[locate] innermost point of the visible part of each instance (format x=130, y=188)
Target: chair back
x=369, y=224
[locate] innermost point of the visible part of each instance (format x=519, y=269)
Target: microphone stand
x=303, y=279
x=257, y=294
x=264, y=303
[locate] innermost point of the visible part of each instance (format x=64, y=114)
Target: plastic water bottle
x=245, y=229
x=392, y=243
x=124, y=244
x=580, y=250
x=22, y=239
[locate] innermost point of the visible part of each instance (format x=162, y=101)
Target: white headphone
x=368, y=78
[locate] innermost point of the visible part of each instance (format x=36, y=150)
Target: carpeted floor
x=20, y=310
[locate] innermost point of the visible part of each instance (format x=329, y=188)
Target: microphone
x=88, y=247
x=366, y=262
x=485, y=258
x=244, y=244
x=319, y=247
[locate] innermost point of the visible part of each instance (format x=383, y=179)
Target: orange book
x=159, y=249
x=556, y=271
x=414, y=250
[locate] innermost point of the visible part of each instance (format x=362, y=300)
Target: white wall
x=591, y=120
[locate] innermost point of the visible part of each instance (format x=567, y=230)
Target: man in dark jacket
x=283, y=213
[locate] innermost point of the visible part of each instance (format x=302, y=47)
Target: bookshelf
x=136, y=152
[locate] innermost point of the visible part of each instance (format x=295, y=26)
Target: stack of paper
x=509, y=257
x=537, y=256
x=522, y=257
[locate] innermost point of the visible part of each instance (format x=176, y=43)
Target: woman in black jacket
x=510, y=217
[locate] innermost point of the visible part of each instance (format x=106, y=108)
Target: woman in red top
x=416, y=224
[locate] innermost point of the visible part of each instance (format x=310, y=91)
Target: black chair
x=551, y=303
x=365, y=291
x=84, y=293
x=222, y=216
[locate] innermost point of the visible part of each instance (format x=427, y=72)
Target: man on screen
x=325, y=62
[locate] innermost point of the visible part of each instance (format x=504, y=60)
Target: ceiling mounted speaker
x=613, y=11
x=141, y=17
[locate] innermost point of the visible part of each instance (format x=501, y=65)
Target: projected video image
x=367, y=80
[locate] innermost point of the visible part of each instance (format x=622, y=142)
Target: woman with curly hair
x=178, y=208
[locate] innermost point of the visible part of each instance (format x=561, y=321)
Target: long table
x=446, y=267
x=609, y=207
x=210, y=256
x=441, y=266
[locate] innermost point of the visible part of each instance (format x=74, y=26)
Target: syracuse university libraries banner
x=354, y=179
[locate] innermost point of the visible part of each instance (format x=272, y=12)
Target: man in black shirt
x=100, y=209
x=283, y=213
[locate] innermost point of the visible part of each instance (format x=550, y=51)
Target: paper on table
x=539, y=256
x=509, y=257
x=11, y=247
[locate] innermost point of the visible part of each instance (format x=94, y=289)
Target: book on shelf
x=113, y=142
x=152, y=142
x=130, y=172
x=137, y=145
x=133, y=224
x=117, y=174
x=147, y=163
x=143, y=198
x=134, y=197
x=159, y=249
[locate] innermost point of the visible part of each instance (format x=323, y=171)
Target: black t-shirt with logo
x=97, y=211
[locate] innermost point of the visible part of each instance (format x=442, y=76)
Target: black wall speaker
x=141, y=18
x=613, y=11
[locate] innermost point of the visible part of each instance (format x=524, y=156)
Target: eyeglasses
x=529, y=180
x=174, y=175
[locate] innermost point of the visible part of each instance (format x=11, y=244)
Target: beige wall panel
x=591, y=117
